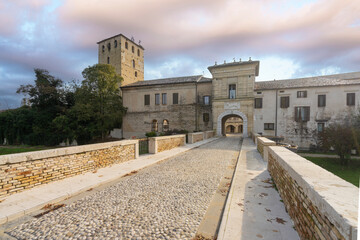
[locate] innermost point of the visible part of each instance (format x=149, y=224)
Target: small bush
x=151, y=134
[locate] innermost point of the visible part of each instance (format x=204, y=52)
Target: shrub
x=151, y=134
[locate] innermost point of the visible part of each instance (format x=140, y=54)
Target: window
x=321, y=100
x=301, y=94
x=164, y=102
x=232, y=91
x=350, y=99
x=154, y=126
x=103, y=48
x=157, y=99
x=108, y=60
x=135, y=73
x=126, y=45
x=132, y=49
x=133, y=63
x=175, y=98
x=258, y=92
x=284, y=102
x=258, y=102
x=269, y=126
x=146, y=99
x=207, y=100
x=109, y=46
x=206, y=117
x=320, y=127
x=138, y=52
x=302, y=114
x=115, y=44
x=165, y=125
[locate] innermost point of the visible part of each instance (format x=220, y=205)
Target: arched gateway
x=219, y=128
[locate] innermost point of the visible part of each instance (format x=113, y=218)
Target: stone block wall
x=209, y=134
x=195, y=137
x=160, y=144
x=27, y=170
x=262, y=146
x=254, y=137
x=322, y=205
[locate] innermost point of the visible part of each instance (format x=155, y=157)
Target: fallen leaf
x=280, y=220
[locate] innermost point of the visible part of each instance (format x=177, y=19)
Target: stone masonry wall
x=262, y=143
x=321, y=205
x=19, y=172
x=209, y=134
x=195, y=137
x=170, y=143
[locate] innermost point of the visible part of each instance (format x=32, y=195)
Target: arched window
x=135, y=73
x=109, y=46
x=139, y=52
x=115, y=44
x=165, y=125
x=154, y=126
x=133, y=63
x=133, y=49
x=126, y=45
x=103, y=48
x=108, y=60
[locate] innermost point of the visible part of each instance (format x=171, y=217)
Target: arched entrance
x=230, y=129
x=228, y=114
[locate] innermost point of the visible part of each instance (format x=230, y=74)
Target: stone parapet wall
x=195, y=137
x=262, y=144
x=26, y=170
x=209, y=134
x=254, y=137
x=322, y=205
x=160, y=144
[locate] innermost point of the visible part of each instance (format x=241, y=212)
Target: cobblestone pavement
x=164, y=201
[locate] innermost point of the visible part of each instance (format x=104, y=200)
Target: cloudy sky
x=291, y=38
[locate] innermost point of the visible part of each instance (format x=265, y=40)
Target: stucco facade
x=332, y=107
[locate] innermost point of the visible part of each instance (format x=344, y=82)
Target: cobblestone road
x=164, y=201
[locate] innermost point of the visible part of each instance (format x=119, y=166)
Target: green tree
x=98, y=106
x=48, y=99
x=340, y=137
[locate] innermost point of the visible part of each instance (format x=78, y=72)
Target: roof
x=319, y=81
x=176, y=80
x=237, y=64
x=121, y=36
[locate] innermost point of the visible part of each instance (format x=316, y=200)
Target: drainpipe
x=276, y=111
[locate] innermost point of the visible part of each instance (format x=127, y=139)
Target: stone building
x=125, y=55
x=230, y=101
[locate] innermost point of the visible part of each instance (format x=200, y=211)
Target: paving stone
x=166, y=200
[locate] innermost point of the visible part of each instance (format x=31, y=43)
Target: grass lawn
x=350, y=173
x=21, y=148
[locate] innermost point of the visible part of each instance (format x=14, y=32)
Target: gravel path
x=164, y=201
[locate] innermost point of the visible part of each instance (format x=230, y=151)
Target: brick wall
x=322, y=205
x=27, y=170
x=160, y=144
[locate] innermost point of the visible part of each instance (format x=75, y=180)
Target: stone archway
x=232, y=112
